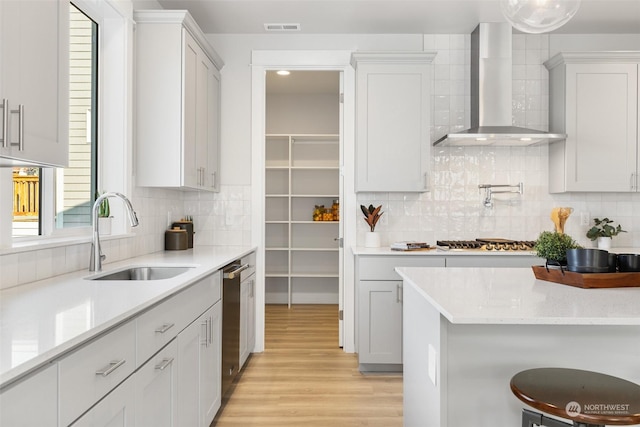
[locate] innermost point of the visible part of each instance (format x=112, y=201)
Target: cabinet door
x=33, y=75
x=601, y=125
x=247, y=318
x=156, y=389
x=392, y=127
x=207, y=122
x=211, y=365
x=18, y=411
x=117, y=409
x=199, y=365
x=380, y=322
x=191, y=51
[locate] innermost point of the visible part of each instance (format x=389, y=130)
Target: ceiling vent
x=282, y=27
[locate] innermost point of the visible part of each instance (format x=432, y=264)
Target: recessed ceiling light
x=283, y=73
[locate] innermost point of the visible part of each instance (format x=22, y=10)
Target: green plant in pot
x=603, y=232
x=553, y=246
x=104, y=216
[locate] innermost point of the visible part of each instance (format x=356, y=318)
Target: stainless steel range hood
x=491, y=81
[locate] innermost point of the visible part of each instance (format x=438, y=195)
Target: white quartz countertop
x=386, y=251
x=43, y=320
x=515, y=296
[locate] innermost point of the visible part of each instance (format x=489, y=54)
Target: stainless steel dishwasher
x=231, y=322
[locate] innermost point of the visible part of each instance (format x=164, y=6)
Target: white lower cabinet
x=88, y=374
x=199, y=364
x=247, y=308
x=160, y=368
x=157, y=389
x=381, y=311
x=41, y=387
x=379, y=304
x=117, y=409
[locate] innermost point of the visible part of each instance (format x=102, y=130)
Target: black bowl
x=588, y=260
x=629, y=262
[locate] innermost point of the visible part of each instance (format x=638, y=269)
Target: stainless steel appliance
x=231, y=322
x=488, y=244
x=491, y=94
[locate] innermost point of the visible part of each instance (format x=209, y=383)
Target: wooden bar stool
x=589, y=399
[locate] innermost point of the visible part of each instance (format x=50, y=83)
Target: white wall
x=453, y=208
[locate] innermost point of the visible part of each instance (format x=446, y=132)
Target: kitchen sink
x=142, y=273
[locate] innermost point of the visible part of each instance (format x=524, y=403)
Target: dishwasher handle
x=231, y=274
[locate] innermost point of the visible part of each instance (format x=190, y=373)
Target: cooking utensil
x=587, y=260
x=629, y=262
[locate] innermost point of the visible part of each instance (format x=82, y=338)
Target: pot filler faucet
x=96, y=258
x=489, y=191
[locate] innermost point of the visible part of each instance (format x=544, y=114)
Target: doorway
x=303, y=188
x=266, y=60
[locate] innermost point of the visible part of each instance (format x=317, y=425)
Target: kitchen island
x=467, y=331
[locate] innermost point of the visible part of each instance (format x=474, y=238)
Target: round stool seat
x=582, y=396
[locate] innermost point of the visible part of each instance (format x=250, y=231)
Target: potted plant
x=104, y=216
x=371, y=217
x=603, y=232
x=553, y=246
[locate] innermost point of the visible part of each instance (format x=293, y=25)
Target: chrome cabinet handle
x=205, y=341
x=252, y=285
x=210, y=330
x=426, y=181
x=5, y=122
x=164, y=328
x=20, y=143
x=213, y=179
x=164, y=363
x=633, y=182
x=399, y=293
x=113, y=365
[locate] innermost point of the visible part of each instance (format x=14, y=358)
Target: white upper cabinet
x=594, y=100
x=178, y=103
x=393, y=113
x=34, y=88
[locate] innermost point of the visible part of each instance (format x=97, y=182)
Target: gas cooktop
x=489, y=244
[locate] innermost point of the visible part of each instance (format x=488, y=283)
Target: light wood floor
x=303, y=379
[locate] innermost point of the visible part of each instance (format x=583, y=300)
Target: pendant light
x=538, y=16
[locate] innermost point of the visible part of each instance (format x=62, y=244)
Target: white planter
x=604, y=243
x=104, y=225
x=372, y=240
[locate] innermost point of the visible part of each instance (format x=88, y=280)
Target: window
x=47, y=200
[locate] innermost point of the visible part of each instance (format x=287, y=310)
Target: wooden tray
x=587, y=280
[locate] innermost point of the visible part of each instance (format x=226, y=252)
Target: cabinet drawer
x=88, y=374
x=156, y=327
x=382, y=268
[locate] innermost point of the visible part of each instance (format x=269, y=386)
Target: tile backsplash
x=453, y=207
x=219, y=219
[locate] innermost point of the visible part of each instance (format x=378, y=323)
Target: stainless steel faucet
x=96, y=258
x=489, y=191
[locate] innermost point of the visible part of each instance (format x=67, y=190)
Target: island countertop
x=514, y=296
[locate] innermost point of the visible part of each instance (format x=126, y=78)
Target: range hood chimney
x=491, y=82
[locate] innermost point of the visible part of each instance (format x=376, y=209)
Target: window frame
x=114, y=129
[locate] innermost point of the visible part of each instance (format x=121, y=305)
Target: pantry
x=302, y=188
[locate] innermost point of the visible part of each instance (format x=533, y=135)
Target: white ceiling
x=390, y=17
x=304, y=82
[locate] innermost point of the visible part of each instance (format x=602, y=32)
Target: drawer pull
x=165, y=362
x=164, y=328
x=107, y=370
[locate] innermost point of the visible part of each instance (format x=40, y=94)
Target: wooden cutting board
x=587, y=280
